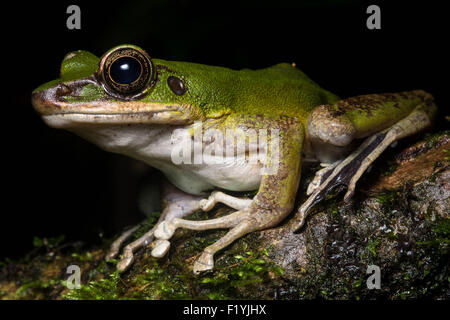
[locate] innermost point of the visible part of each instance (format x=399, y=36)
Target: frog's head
x=124, y=86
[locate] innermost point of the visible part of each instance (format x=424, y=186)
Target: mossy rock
x=398, y=221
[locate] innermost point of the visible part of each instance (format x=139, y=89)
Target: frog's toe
x=161, y=248
x=165, y=230
x=126, y=259
x=204, y=263
x=128, y=251
x=207, y=204
x=218, y=196
x=321, y=176
x=117, y=244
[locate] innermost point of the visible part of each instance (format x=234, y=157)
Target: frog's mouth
x=67, y=120
x=60, y=112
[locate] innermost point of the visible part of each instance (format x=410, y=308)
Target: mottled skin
x=314, y=125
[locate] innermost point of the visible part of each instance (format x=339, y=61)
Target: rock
x=398, y=222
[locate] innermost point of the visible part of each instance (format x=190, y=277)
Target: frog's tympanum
x=129, y=103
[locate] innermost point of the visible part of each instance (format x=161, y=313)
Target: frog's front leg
x=383, y=118
x=273, y=202
x=176, y=204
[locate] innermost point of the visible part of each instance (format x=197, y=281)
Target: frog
x=129, y=103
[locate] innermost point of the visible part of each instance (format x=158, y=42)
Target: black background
x=56, y=183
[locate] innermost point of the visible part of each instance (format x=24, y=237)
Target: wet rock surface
x=398, y=221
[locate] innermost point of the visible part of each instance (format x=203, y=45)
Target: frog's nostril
x=62, y=90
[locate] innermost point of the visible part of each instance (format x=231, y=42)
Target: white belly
x=153, y=146
x=197, y=179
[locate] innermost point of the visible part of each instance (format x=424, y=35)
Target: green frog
x=168, y=114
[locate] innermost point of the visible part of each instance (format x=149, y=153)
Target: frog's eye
x=126, y=71
x=176, y=85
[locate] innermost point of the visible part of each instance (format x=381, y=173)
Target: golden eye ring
x=125, y=72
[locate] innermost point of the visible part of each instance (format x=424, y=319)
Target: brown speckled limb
x=206, y=260
x=348, y=171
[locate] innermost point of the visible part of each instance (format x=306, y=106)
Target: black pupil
x=125, y=70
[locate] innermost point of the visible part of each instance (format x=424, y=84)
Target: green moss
x=372, y=246
x=432, y=139
x=441, y=231
x=447, y=154
x=157, y=283
x=237, y=278
x=103, y=289
x=387, y=198
x=358, y=283
x=82, y=257
x=249, y=269
x=36, y=289
x=48, y=243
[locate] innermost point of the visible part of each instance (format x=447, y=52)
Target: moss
x=48, y=243
x=372, y=246
x=157, y=283
x=441, y=240
x=236, y=279
x=36, y=289
x=87, y=256
x=433, y=139
x=103, y=289
x=387, y=198
x=447, y=154
x=165, y=280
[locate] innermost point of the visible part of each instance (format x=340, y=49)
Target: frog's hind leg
x=321, y=176
x=176, y=204
x=237, y=221
x=348, y=171
x=273, y=202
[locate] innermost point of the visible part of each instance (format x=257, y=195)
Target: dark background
x=56, y=183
